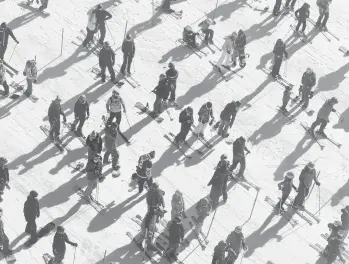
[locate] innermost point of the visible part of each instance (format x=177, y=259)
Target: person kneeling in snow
x=189, y=36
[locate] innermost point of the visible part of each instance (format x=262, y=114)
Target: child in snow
x=4, y=176
x=31, y=72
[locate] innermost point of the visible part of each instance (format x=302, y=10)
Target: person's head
x=209, y=105
x=60, y=229
x=3, y=161
x=155, y=185
x=189, y=110
x=82, y=98
x=152, y=154
x=3, y=25
x=346, y=209
x=238, y=229
x=116, y=94
x=288, y=88
x=114, y=127
x=178, y=193
x=99, y=7
x=337, y=223
x=58, y=100
x=128, y=37
x=309, y=70
x=242, y=140
x=224, y=156
x=289, y=175
x=171, y=65
x=237, y=104
x=279, y=42
x=188, y=28
x=241, y=33
x=311, y=165
x=333, y=100
x=233, y=36
x=34, y=194
x=162, y=76
x=306, y=6
x=178, y=219
x=106, y=44
x=93, y=135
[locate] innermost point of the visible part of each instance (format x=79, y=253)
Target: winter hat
x=238, y=229
x=152, y=153
x=334, y=100
x=106, y=44
x=34, y=194
x=162, y=76
x=178, y=193
x=311, y=165
x=93, y=134
x=58, y=99
x=99, y=6
x=3, y=160
x=188, y=28
x=60, y=229
x=155, y=185
x=171, y=65
x=209, y=105
x=242, y=139
x=82, y=97
x=337, y=223
x=289, y=175
x=115, y=92
x=128, y=37
x=224, y=156
x=238, y=103
x=3, y=25
x=177, y=219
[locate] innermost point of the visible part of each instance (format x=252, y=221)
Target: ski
x=243, y=182
x=345, y=252
x=338, y=145
x=303, y=37
x=95, y=50
x=344, y=50
x=146, y=110
x=129, y=79
x=196, y=50
x=82, y=138
x=312, y=135
x=305, y=211
x=175, y=14
x=47, y=258
x=79, y=166
x=152, y=260
x=94, y=203
x=283, y=213
x=233, y=71
x=321, y=250
x=177, y=146
x=300, y=214
x=281, y=80
x=117, y=81
x=286, y=114
x=47, y=133
x=138, y=219
x=20, y=87
x=217, y=69
x=185, y=143
x=11, y=68
x=203, y=141
x=203, y=238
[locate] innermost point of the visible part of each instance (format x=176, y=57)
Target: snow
x=277, y=146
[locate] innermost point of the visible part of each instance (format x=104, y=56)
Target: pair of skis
x=97, y=71
x=130, y=79
x=219, y=70
x=20, y=87
x=312, y=134
x=281, y=80
x=145, y=109
x=82, y=138
x=93, y=202
x=58, y=144
x=171, y=139
x=203, y=140
x=280, y=211
x=195, y=49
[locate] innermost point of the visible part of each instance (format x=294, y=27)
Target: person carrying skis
x=219, y=253
x=176, y=237
x=286, y=187
x=186, y=119
x=308, y=82
x=91, y=28
x=94, y=174
x=345, y=220
x=31, y=211
x=323, y=116
x=162, y=92
x=102, y=16
x=302, y=14
x=3, y=81
x=286, y=98
x=172, y=75
x=227, y=117
x=4, y=241
x=54, y=118
x=4, y=176
x=239, y=49
x=177, y=205
x=324, y=13
x=111, y=145
x=239, y=157
x=333, y=249
x=58, y=245
x=94, y=143
x=235, y=241
x=189, y=36
x=205, y=28
x=128, y=48
x=82, y=113
x=5, y=32
x=31, y=72
x=205, y=113
x=143, y=170
x=107, y=60
x=227, y=50
x=308, y=174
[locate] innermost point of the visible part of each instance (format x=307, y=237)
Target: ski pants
x=231, y=258
x=81, y=120
x=305, y=95
x=58, y=257
x=141, y=182
x=116, y=115
x=90, y=153
x=276, y=7
x=323, y=17
x=29, y=87
x=158, y=105
x=55, y=127
x=284, y=103
x=92, y=184
x=237, y=54
x=237, y=159
x=31, y=229
x=114, y=155
x=302, y=23
x=126, y=63
x=182, y=135
x=276, y=67
x=4, y=244
x=201, y=128
x=2, y=51
x=2, y=187
x=283, y=199
x=44, y=4
x=89, y=37
x=110, y=69
x=224, y=59
x=223, y=127
x=173, y=87
x=172, y=249
x=292, y=3
x=303, y=192
x=319, y=121
x=6, y=88
x=102, y=31
x=208, y=34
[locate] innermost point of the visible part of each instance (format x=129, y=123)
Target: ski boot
x=321, y=133
x=79, y=133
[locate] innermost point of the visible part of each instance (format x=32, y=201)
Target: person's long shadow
x=343, y=121
x=26, y=18
x=5, y=110
x=178, y=53
x=146, y=25
x=340, y=194
x=33, y=10
x=245, y=101
x=223, y=12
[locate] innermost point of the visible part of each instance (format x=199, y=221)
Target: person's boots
x=321, y=133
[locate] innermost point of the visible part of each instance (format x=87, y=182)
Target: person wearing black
x=4, y=176
x=128, y=49
x=59, y=247
x=286, y=187
x=144, y=172
x=4, y=241
x=102, y=16
x=277, y=6
x=239, y=49
x=302, y=14
x=279, y=52
x=5, y=32
x=43, y=6
x=176, y=236
x=287, y=4
x=54, y=117
x=227, y=117
x=286, y=98
x=162, y=92
x=31, y=212
x=107, y=60
x=345, y=220
x=82, y=112
x=94, y=143
x=172, y=75
x=219, y=253
x=239, y=157
x=186, y=119
x=91, y=28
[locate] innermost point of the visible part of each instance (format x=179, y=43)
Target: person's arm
x=87, y=110
x=113, y=57
x=108, y=105
x=123, y=105
x=66, y=239
x=107, y=15
x=133, y=49
x=62, y=113
x=37, y=209
x=76, y=109
x=285, y=52
x=248, y=151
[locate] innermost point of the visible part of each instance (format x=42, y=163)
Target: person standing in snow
x=91, y=28
x=308, y=82
x=3, y=81
x=279, y=53
x=176, y=236
x=219, y=253
x=324, y=10
x=333, y=249
x=82, y=113
x=335, y=228
x=128, y=48
x=177, y=205
x=189, y=37
x=144, y=170
x=205, y=28
x=302, y=14
x=186, y=120
x=162, y=92
x=54, y=117
x=94, y=174
x=102, y=16
x=107, y=60
x=31, y=72
x=277, y=6
x=4, y=176
x=5, y=32
x=4, y=241
x=203, y=209
x=111, y=145
x=286, y=187
x=239, y=148
x=172, y=75
x=94, y=143
x=239, y=49
x=345, y=220
x=286, y=98
x=227, y=117
x=235, y=242
x=227, y=51
x=155, y=198
x=205, y=113
x=31, y=211
x=323, y=116
x=59, y=247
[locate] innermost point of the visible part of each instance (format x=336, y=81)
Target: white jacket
x=228, y=45
x=115, y=104
x=92, y=22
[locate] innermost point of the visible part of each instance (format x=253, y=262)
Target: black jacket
x=172, y=74
x=176, y=233
x=162, y=90
x=59, y=241
x=55, y=111
x=345, y=219
x=240, y=42
x=96, y=144
x=280, y=50
x=81, y=109
x=4, y=175
x=106, y=56
x=4, y=33
x=186, y=119
x=102, y=15
x=128, y=47
x=229, y=112
x=31, y=208
x=302, y=13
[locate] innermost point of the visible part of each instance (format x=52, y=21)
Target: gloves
x=311, y=94
x=64, y=119
x=24, y=73
x=17, y=41
x=318, y=184
x=75, y=244
x=34, y=81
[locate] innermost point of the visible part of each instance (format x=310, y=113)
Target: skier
x=31, y=72
x=219, y=182
x=189, y=36
x=94, y=143
x=205, y=28
x=102, y=16
x=5, y=32
x=58, y=245
x=239, y=49
x=4, y=176
x=3, y=81
x=228, y=117
x=323, y=116
x=186, y=120
x=203, y=209
x=91, y=28
x=54, y=117
x=176, y=236
x=335, y=228
x=107, y=60
x=286, y=187
x=308, y=174
x=287, y=4
x=111, y=145
x=277, y=6
x=239, y=148
x=162, y=92
x=333, y=249
x=286, y=98
x=279, y=52
x=144, y=158
x=148, y=229
x=308, y=82
x=302, y=14
x=82, y=113
x=219, y=253
x=31, y=211
x=177, y=205
x=94, y=174
x=227, y=50
x=345, y=220
x=144, y=168
x=128, y=49
x=4, y=241
x=205, y=113
x=235, y=241
x=324, y=13
x=172, y=75
x=155, y=198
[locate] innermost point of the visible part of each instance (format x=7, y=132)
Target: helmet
x=289, y=175
x=189, y=109
x=162, y=76
x=209, y=104
x=128, y=37
x=115, y=92
x=177, y=219
x=309, y=70
x=171, y=65
x=60, y=229
x=106, y=44
x=311, y=165
x=224, y=156
x=334, y=100
x=238, y=229
x=337, y=223
x=83, y=97
x=33, y=194
x=3, y=160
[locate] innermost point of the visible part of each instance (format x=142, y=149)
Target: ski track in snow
x=277, y=145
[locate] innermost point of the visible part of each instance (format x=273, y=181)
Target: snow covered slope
x=277, y=146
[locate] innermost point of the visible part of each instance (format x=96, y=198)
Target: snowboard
x=47, y=258
x=44, y=231
x=146, y=110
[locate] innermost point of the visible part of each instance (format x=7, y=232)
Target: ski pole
x=128, y=122
x=12, y=53
x=110, y=33
x=169, y=114
x=74, y=255
x=317, y=177
x=242, y=257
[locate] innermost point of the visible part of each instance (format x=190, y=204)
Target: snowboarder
x=107, y=60
x=228, y=117
x=302, y=14
x=94, y=143
x=186, y=120
x=287, y=4
x=239, y=157
x=333, y=249
x=4, y=176
x=4, y=241
x=31, y=211
x=172, y=75
x=308, y=174
x=54, y=117
x=31, y=72
x=128, y=49
x=3, y=81
x=219, y=253
x=111, y=145
x=155, y=198
x=177, y=205
x=286, y=187
x=308, y=82
x=82, y=113
x=102, y=16
x=286, y=98
x=205, y=113
x=5, y=32
x=176, y=237
x=324, y=13
x=235, y=241
x=144, y=172
x=239, y=49
x=345, y=220
x=94, y=174
x=43, y=6
x=279, y=52
x=189, y=36
x=205, y=28
x=227, y=50
x=91, y=28
x=58, y=245
x=219, y=182
x=323, y=116
x=162, y=92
